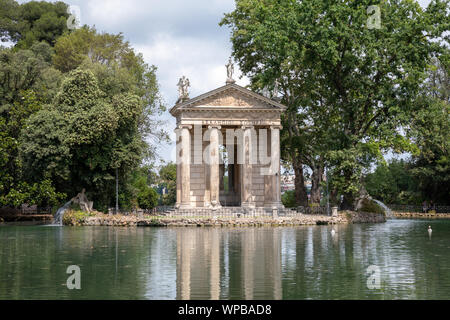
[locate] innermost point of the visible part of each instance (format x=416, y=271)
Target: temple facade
x=228, y=148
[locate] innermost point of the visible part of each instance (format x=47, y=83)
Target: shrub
x=75, y=217
x=288, y=199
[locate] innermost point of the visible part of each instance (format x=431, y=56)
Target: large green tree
x=430, y=132
x=348, y=87
x=82, y=137
x=393, y=183
x=104, y=117
x=118, y=69
x=33, y=21
x=27, y=81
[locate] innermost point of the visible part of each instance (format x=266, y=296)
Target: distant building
x=288, y=183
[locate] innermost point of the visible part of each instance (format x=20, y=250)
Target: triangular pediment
x=229, y=96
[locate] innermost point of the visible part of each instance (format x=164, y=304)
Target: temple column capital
x=184, y=126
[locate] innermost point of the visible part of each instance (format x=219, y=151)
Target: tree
x=348, y=88
x=168, y=180
x=27, y=82
x=430, y=131
x=8, y=19
x=148, y=198
x=100, y=122
x=33, y=21
x=118, y=70
x=82, y=137
x=393, y=183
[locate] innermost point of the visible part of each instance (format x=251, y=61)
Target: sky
x=179, y=37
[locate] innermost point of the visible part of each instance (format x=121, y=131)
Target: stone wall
x=99, y=219
x=421, y=215
x=363, y=217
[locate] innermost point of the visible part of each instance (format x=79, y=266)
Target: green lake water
x=228, y=263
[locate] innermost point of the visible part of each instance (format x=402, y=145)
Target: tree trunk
x=117, y=191
x=347, y=201
x=316, y=179
x=334, y=201
x=301, y=197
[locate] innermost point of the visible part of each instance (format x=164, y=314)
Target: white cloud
x=201, y=60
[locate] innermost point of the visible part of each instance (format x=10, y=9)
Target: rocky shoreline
x=420, y=215
x=100, y=219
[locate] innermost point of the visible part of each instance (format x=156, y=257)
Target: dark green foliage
x=42, y=194
x=118, y=70
x=168, y=180
x=27, y=81
x=348, y=88
x=393, y=183
x=31, y=22
x=370, y=206
x=288, y=199
x=74, y=135
x=147, y=198
x=81, y=138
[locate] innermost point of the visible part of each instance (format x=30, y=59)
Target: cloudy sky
x=180, y=37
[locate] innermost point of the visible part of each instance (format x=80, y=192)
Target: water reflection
x=207, y=257
x=214, y=263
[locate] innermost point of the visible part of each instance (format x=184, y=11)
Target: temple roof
x=228, y=96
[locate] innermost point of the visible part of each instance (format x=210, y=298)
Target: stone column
x=272, y=181
x=178, y=164
x=246, y=173
x=214, y=166
x=185, y=166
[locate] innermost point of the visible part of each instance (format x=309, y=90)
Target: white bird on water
x=333, y=232
x=429, y=230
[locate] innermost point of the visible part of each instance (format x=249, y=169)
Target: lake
x=228, y=263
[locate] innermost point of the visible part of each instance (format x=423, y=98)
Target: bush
x=75, y=217
x=288, y=199
x=148, y=198
x=42, y=194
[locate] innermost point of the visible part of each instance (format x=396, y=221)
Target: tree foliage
x=348, y=88
x=33, y=21
x=393, y=183
x=79, y=139
x=118, y=70
x=27, y=81
x=75, y=106
x=168, y=178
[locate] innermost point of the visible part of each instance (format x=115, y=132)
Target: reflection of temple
x=207, y=257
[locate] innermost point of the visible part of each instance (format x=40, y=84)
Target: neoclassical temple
x=228, y=148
